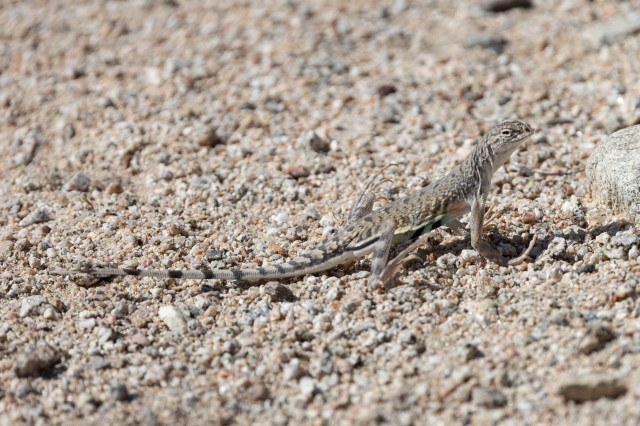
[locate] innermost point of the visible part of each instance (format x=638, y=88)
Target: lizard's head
x=506, y=137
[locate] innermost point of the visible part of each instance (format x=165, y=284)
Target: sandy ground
x=183, y=135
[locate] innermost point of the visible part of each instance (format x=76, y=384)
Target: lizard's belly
x=414, y=230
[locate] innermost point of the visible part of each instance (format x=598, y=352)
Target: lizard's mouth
x=524, y=137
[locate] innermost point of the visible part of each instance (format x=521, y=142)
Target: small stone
x=175, y=229
x=587, y=268
x=486, y=41
x=385, y=90
x=99, y=363
x=87, y=324
x=528, y=218
x=78, y=182
x=173, y=318
x=5, y=249
x=34, y=262
x=292, y=371
x=39, y=215
x=278, y=292
x=29, y=304
x=307, y=387
x=388, y=113
x=596, y=339
x=114, y=188
x=589, y=387
x=140, y=317
x=36, y=360
x=624, y=291
x=119, y=392
x=139, y=339
x=613, y=172
x=120, y=310
x=211, y=312
x=49, y=313
x=248, y=106
x=153, y=76
x=154, y=375
x=280, y=218
x=472, y=352
x=311, y=140
x=613, y=30
x=68, y=132
x=297, y=171
x=488, y=397
x=105, y=334
x=352, y=301
x=620, y=245
x=496, y=6
x=209, y=136
x=255, y=393
x=23, y=389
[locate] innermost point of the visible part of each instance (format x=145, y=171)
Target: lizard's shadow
x=611, y=228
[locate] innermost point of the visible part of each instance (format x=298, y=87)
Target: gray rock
x=609, y=32
x=119, y=392
x=278, y=292
x=307, y=387
x=485, y=41
x=596, y=339
x=99, y=363
x=105, y=334
x=472, y=352
x=39, y=215
x=589, y=387
x=121, y=309
x=78, y=182
x=311, y=140
x=488, y=397
x=209, y=136
x=5, y=249
x=29, y=304
x=496, y=6
x=23, y=388
x=87, y=324
x=613, y=173
x=292, y=371
x=388, y=112
x=155, y=374
x=620, y=246
x=36, y=360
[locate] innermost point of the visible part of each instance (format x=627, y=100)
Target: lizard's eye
x=506, y=132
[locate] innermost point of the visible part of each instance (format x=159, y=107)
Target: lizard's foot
x=388, y=275
x=458, y=228
x=493, y=255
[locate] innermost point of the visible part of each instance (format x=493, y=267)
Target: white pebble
x=280, y=218
x=173, y=318
x=29, y=303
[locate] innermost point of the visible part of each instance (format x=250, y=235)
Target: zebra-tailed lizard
x=367, y=231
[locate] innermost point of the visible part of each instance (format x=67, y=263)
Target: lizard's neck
x=482, y=161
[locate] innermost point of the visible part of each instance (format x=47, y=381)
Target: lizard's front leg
x=381, y=252
x=482, y=247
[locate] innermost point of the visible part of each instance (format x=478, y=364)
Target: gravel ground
x=172, y=134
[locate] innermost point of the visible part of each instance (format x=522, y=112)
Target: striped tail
x=314, y=261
